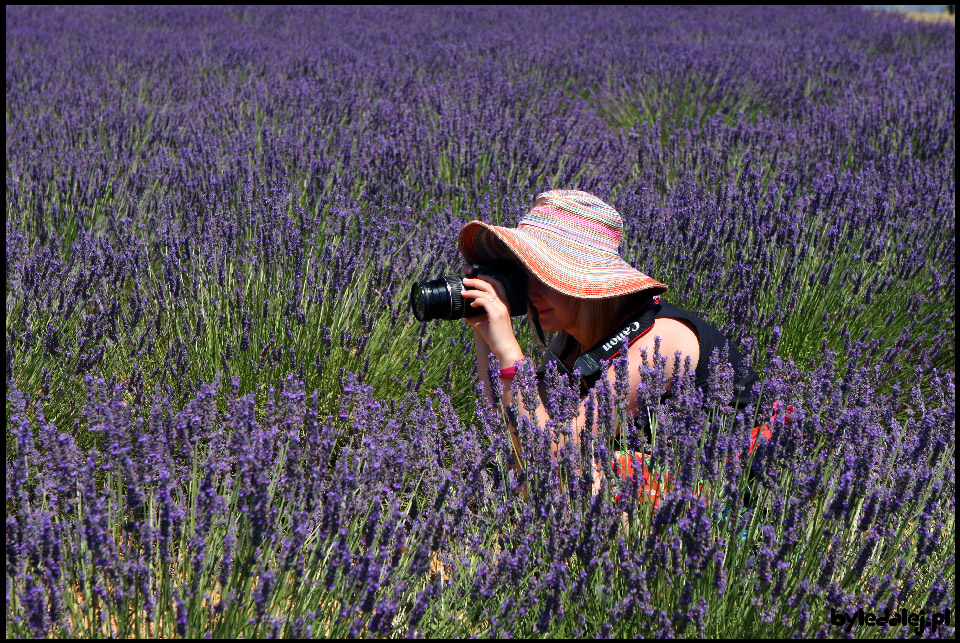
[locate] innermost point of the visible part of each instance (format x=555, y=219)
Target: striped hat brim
x=587, y=273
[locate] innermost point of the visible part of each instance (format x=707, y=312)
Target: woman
x=579, y=285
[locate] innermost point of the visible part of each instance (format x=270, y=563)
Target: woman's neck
x=584, y=346
x=584, y=343
x=581, y=347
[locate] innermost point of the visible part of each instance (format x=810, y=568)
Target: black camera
x=441, y=299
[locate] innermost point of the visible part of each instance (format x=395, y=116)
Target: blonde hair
x=598, y=317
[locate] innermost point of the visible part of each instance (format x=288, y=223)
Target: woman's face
x=556, y=310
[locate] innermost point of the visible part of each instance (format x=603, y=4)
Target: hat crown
x=580, y=217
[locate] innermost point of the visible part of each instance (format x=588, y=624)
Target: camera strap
x=633, y=327
x=536, y=322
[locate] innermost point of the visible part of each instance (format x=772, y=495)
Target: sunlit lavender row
x=223, y=419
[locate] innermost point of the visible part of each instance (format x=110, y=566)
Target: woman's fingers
x=477, y=288
x=475, y=285
x=493, y=289
x=479, y=296
x=477, y=282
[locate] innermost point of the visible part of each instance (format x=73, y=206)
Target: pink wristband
x=509, y=373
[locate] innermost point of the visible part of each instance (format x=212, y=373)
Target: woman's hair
x=600, y=315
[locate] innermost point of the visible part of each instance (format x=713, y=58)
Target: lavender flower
x=274, y=239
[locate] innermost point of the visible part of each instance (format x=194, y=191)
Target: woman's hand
x=495, y=326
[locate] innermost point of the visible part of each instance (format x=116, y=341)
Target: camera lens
x=442, y=298
x=417, y=301
x=438, y=299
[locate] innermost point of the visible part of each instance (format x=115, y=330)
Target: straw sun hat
x=570, y=240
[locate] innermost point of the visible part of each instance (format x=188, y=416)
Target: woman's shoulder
x=675, y=335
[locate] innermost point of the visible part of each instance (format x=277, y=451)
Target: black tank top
x=710, y=338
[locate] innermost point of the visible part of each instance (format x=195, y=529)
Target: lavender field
x=223, y=419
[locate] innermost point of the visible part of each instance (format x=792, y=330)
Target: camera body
x=441, y=298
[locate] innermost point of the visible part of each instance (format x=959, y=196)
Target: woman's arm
x=483, y=369
x=510, y=388
x=483, y=364
x=496, y=324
